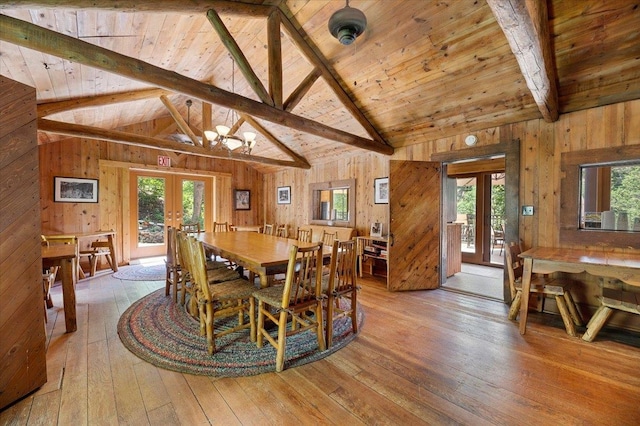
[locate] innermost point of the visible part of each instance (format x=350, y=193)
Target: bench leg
x=566, y=317
x=573, y=310
x=597, y=321
x=515, y=306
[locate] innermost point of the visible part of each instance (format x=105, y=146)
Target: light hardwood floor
x=423, y=357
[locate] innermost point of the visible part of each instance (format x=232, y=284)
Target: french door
x=159, y=200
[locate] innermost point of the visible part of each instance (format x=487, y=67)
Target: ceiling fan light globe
x=346, y=24
x=211, y=135
x=249, y=136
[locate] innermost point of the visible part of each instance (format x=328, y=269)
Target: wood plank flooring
x=423, y=357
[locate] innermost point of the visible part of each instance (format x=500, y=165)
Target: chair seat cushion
x=236, y=289
x=221, y=275
x=271, y=295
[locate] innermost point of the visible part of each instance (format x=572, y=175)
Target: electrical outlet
x=527, y=210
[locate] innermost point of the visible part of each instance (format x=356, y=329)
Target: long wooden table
x=109, y=235
x=265, y=255
x=64, y=255
x=546, y=260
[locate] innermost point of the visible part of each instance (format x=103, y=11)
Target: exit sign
x=164, y=161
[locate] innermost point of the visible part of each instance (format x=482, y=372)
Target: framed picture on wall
x=381, y=190
x=75, y=190
x=284, y=195
x=242, y=199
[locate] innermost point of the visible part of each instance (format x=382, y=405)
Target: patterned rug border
x=162, y=333
x=141, y=273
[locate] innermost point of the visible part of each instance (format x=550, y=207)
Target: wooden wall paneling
x=548, y=186
x=22, y=336
x=631, y=123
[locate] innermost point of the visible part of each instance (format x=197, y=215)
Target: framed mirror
x=599, y=198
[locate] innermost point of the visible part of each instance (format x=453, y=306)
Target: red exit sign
x=164, y=161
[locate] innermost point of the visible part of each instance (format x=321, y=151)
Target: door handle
x=391, y=240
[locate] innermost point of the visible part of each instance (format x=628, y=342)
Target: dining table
x=263, y=254
x=110, y=236
x=64, y=256
x=546, y=260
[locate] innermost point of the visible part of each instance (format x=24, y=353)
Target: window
x=610, y=197
x=333, y=203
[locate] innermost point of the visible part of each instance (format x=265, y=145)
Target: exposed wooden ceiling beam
x=296, y=96
x=191, y=6
x=526, y=26
x=274, y=50
x=182, y=125
x=88, y=132
x=49, y=108
x=284, y=148
x=328, y=76
x=41, y=39
x=238, y=56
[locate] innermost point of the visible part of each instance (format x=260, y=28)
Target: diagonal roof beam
x=284, y=148
x=173, y=6
x=89, y=132
x=237, y=55
x=525, y=23
x=34, y=37
x=48, y=108
x=321, y=64
x=182, y=125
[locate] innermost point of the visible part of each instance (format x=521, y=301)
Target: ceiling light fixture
x=346, y=24
x=230, y=141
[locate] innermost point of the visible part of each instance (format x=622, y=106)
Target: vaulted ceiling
x=123, y=70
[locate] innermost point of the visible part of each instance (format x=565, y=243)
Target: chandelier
x=222, y=134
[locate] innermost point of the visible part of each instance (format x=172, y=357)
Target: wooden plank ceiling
x=419, y=72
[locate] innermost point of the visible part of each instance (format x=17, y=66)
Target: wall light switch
x=527, y=210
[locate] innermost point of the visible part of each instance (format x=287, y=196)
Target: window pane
x=610, y=198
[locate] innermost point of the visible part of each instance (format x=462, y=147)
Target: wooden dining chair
x=190, y=228
x=282, y=231
x=304, y=234
x=220, y=226
x=295, y=306
x=543, y=286
x=172, y=265
x=340, y=287
x=268, y=229
x=328, y=238
x=216, y=301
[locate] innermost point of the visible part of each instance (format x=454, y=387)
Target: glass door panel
x=193, y=202
x=466, y=211
x=150, y=194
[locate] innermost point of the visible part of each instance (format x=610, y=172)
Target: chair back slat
x=220, y=226
x=304, y=235
x=514, y=265
x=343, y=266
x=303, y=282
x=328, y=238
x=268, y=228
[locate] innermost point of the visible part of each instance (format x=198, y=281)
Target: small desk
x=265, y=255
x=111, y=238
x=546, y=260
x=64, y=255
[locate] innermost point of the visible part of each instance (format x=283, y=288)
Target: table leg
x=526, y=289
x=69, y=272
x=114, y=255
x=264, y=280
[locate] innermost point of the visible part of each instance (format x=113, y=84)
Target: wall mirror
x=333, y=203
x=600, y=197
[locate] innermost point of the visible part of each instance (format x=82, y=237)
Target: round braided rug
x=141, y=273
x=162, y=333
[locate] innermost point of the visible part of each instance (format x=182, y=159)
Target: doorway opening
x=478, y=203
